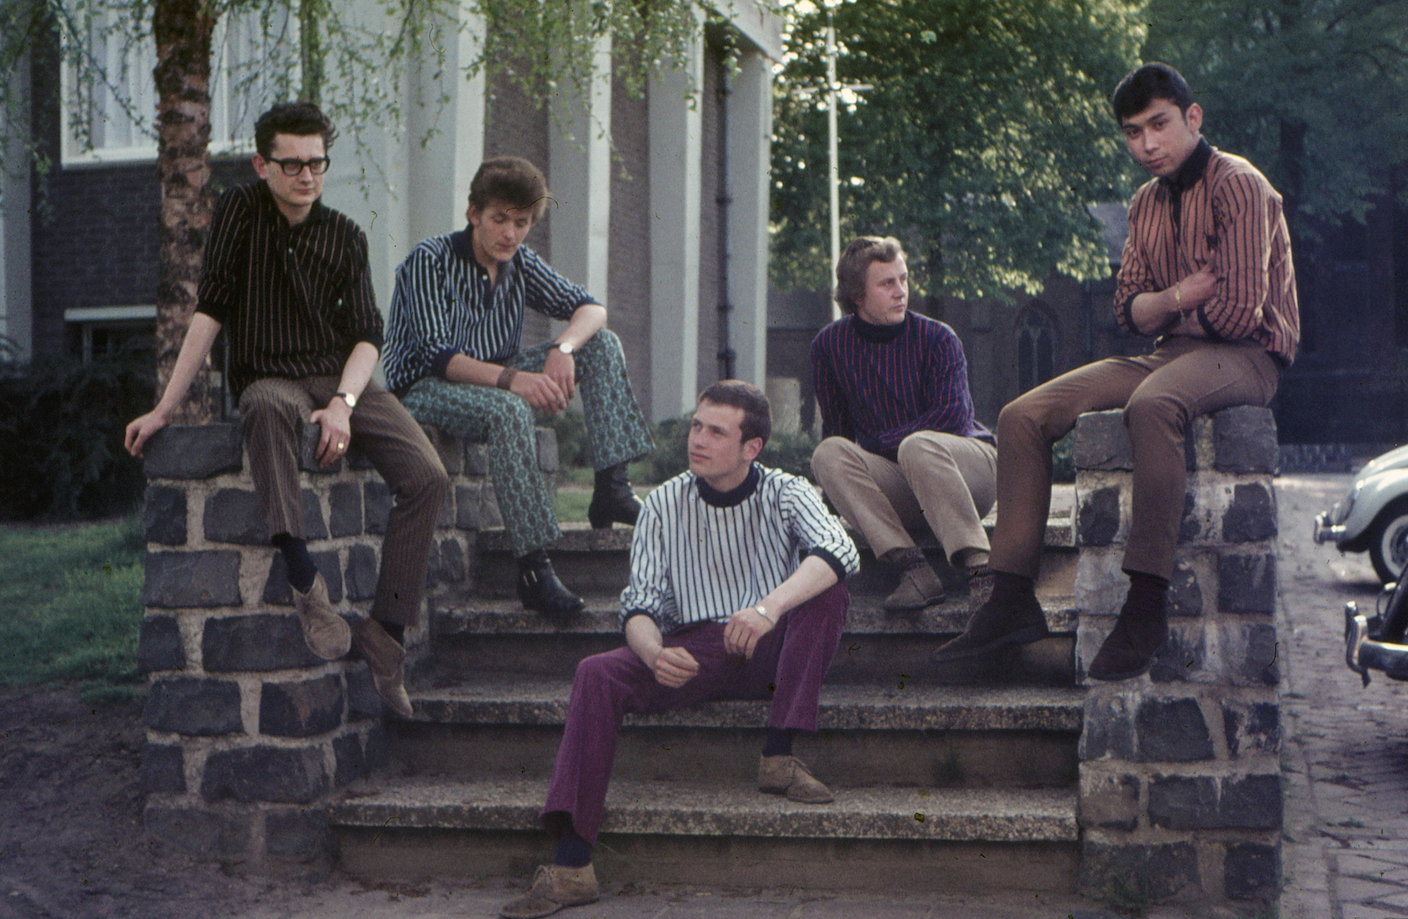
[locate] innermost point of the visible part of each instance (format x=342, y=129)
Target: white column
x=579, y=147
x=16, y=283
x=675, y=151
x=749, y=161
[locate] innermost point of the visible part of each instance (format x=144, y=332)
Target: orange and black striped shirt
x=293, y=301
x=1218, y=211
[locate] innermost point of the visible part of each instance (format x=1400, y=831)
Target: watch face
x=565, y=348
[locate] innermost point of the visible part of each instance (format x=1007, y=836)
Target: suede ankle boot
x=1139, y=632
x=1011, y=616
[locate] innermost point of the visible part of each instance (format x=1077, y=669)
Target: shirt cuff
x=440, y=363
x=1127, y=310
x=375, y=339
x=835, y=563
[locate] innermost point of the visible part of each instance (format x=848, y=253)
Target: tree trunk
x=183, y=30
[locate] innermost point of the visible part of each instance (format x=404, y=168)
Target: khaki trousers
x=273, y=412
x=1160, y=393
x=941, y=480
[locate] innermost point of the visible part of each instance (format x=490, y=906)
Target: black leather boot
x=612, y=500
x=541, y=591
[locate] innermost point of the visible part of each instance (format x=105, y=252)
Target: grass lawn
x=72, y=597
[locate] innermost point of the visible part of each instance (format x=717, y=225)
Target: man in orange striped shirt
x=1206, y=268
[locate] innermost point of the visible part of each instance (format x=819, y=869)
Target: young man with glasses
x=288, y=280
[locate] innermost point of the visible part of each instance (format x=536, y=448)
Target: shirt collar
x=734, y=496
x=316, y=214
x=880, y=334
x=461, y=244
x=1192, y=169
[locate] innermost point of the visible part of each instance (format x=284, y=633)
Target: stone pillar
x=248, y=732
x=1180, y=783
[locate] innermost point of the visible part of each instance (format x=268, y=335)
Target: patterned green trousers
x=616, y=431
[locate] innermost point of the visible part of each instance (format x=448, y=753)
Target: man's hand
x=335, y=422
x=744, y=629
x=540, y=391
x=562, y=370
x=141, y=430
x=674, y=667
x=1196, y=289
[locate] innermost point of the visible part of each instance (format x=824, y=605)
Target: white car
x=1373, y=515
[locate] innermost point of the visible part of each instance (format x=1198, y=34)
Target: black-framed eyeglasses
x=292, y=168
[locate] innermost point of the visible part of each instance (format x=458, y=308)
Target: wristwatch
x=347, y=397
x=566, y=347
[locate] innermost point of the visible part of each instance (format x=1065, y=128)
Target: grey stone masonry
x=249, y=733
x=1180, y=788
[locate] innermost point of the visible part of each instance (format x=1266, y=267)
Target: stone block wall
x=248, y=732
x=1180, y=784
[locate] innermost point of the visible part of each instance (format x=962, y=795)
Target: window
x=110, y=98
x=1036, y=347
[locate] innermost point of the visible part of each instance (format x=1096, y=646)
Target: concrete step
x=880, y=648
x=721, y=831
x=509, y=725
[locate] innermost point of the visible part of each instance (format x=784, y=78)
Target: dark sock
x=912, y=558
x=573, y=851
x=396, y=630
x=301, y=570
x=1007, y=586
x=779, y=742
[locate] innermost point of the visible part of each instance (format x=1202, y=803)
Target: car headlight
x=1341, y=510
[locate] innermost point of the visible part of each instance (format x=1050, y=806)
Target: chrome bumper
x=1363, y=653
x=1324, y=531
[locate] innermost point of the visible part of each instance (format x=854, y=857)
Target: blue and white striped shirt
x=699, y=554
x=445, y=305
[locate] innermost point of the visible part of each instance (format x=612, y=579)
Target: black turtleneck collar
x=879, y=334
x=1192, y=168
x=734, y=496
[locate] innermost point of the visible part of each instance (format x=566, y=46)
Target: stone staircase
x=962, y=776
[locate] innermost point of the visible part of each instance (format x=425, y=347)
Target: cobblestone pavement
x=1346, y=751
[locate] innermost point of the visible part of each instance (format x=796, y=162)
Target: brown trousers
x=1160, y=394
x=273, y=412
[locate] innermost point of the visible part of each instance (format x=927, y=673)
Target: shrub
x=61, y=431
x=571, y=429
x=1063, y=467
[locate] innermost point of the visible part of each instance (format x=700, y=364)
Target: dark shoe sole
x=1117, y=677
x=782, y=793
x=1020, y=637
x=914, y=609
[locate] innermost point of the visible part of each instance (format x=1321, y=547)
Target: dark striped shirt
x=1221, y=212
x=293, y=301
x=877, y=385
x=445, y=305
x=699, y=554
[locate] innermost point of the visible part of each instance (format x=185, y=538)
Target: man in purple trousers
x=736, y=593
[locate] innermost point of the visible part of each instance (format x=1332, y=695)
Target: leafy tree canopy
x=1311, y=91
x=986, y=135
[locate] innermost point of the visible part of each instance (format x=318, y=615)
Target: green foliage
x=72, y=597
x=1312, y=93
x=985, y=135
x=61, y=436
x=1063, y=467
x=788, y=452
x=571, y=430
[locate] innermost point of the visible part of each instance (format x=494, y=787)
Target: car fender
x=1375, y=493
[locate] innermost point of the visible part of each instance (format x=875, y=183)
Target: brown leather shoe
x=787, y=775
x=919, y=588
x=386, y=659
x=326, y=633
x=554, y=887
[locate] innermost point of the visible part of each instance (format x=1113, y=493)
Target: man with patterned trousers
x=453, y=355
x=288, y=280
x=736, y=593
x=901, y=447
x=1207, y=267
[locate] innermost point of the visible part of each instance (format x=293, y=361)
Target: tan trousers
x=1160, y=393
x=274, y=410
x=941, y=480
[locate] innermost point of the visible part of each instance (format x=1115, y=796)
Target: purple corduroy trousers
x=787, y=667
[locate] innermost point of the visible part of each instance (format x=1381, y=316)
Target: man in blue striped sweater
x=736, y=593
x=454, y=355
x=902, y=449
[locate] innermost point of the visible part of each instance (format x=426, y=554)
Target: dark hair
x=1143, y=85
x=300, y=119
x=757, y=413
x=855, y=263
x=510, y=180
